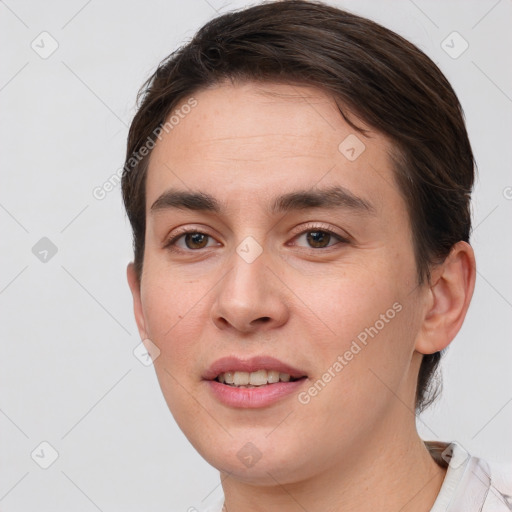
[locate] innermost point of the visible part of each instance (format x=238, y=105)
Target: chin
x=258, y=460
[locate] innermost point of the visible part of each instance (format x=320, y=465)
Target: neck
x=391, y=471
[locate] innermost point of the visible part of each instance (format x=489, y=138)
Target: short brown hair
x=370, y=71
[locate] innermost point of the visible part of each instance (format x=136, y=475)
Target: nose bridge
x=247, y=296
x=246, y=282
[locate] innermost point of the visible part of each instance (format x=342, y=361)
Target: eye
x=189, y=240
x=320, y=238
x=316, y=237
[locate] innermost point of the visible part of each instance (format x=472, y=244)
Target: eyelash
x=171, y=243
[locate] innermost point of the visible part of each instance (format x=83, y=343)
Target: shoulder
x=499, y=496
x=471, y=484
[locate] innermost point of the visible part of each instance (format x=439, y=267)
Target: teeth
x=273, y=376
x=258, y=378
x=252, y=379
x=241, y=378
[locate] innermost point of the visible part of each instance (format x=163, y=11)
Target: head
x=321, y=167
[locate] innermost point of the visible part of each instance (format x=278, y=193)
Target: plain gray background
x=67, y=369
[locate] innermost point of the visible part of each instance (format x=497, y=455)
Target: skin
x=354, y=446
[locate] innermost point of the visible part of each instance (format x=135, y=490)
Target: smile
x=253, y=379
x=257, y=382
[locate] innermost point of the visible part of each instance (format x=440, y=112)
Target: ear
x=448, y=299
x=134, y=284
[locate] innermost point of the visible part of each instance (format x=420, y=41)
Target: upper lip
x=253, y=364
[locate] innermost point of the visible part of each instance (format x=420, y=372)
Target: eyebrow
x=331, y=197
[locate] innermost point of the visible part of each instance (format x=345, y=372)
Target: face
x=283, y=298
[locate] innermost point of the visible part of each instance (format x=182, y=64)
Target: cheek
x=359, y=381
x=174, y=315
x=363, y=328
x=345, y=304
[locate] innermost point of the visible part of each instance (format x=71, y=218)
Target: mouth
x=251, y=383
x=259, y=378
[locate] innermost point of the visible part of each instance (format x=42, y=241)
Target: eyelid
x=318, y=226
x=177, y=233
x=304, y=228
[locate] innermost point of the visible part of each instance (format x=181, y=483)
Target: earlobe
x=134, y=284
x=450, y=294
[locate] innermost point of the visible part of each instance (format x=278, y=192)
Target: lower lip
x=253, y=398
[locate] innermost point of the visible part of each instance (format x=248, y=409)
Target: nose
x=250, y=297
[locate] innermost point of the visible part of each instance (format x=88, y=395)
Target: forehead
x=256, y=138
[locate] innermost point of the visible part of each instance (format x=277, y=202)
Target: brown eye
x=318, y=239
x=196, y=240
x=189, y=241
